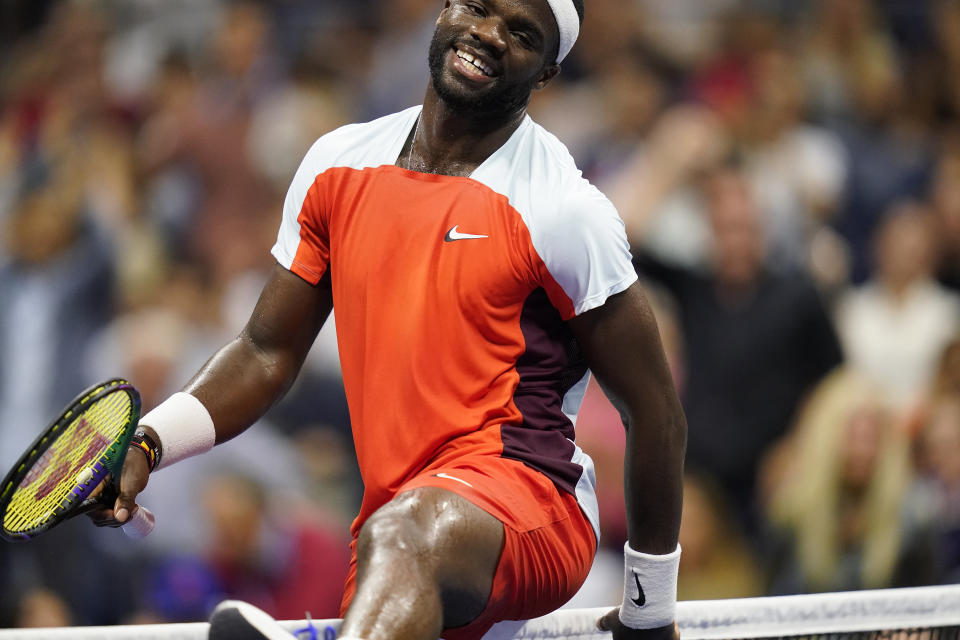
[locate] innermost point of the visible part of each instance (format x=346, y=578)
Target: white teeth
x=466, y=57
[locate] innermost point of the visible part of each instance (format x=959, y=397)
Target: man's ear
x=446, y=5
x=548, y=74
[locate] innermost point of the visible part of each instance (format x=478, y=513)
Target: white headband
x=569, y=24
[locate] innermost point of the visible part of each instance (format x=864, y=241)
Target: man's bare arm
x=244, y=378
x=623, y=348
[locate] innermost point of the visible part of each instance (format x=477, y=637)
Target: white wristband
x=649, y=589
x=184, y=428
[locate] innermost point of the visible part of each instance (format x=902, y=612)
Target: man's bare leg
x=425, y=561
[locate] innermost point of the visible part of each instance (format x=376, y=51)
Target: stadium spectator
x=41, y=608
x=890, y=151
x=755, y=342
x=842, y=40
x=945, y=201
x=718, y=561
x=797, y=169
x=656, y=189
x=275, y=557
x=939, y=449
x=57, y=292
x=895, y=326
x=847, y=513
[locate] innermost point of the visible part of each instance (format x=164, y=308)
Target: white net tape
x=922, y=607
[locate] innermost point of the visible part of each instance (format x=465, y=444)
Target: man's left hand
x=611, y=622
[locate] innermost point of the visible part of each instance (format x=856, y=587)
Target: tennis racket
x=87, y=444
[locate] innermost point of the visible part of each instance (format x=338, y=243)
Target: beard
x=496, y=101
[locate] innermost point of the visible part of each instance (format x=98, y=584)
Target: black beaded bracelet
x=149, y=447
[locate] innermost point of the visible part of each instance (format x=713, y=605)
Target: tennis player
x=475, y=275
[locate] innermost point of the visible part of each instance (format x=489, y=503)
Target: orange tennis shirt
x=450, y=296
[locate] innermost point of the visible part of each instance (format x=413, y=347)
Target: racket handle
x=140, y=524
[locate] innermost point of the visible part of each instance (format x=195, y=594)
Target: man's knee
x=428, y=523
x=399, y=527
x=442, y=532
x=443, y=541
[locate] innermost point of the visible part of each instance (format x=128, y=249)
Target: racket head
x=86, y=443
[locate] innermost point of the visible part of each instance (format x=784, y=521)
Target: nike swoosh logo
x=453, y=235
x=641, y=599
x=443, y=475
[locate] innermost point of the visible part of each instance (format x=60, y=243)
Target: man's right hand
x=133, y=480
x=611, y=622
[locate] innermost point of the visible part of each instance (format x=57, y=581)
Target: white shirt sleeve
x=295, y=206
x=585, y=250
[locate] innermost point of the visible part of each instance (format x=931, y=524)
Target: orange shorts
x=549, y=544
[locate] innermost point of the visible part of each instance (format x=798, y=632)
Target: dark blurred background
x=789, y=175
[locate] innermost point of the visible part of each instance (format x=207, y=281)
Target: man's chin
x=464, y=99
x=488, y=102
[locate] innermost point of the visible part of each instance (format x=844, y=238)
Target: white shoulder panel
x=357, y=146
x=575, y=229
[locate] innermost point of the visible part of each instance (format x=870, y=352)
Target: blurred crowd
x=789, y=175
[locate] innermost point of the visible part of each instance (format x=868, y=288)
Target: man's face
x=738, y=239
x=488, y=55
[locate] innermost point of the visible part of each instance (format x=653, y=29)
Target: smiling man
x=476, y=276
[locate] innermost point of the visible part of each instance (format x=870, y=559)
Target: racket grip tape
x=140, y=524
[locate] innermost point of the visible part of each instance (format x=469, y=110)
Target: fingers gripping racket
x=53, y=481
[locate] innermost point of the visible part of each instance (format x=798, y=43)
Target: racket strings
x=72, y=466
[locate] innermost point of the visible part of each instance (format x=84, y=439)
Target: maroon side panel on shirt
x=550, y=366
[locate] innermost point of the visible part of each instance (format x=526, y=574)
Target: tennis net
x=922, y=613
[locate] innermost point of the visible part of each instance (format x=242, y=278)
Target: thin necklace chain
x=413, y=141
